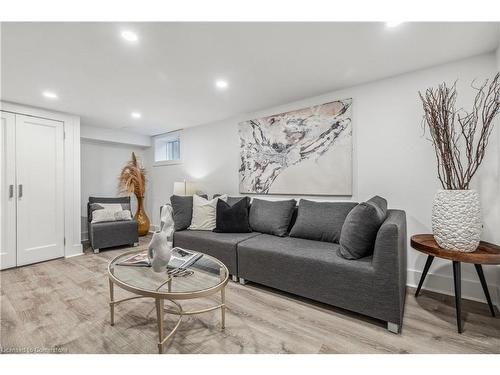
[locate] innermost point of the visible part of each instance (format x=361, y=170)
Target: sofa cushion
x=309, y=268
x=183, y=210
x=272, y=217
x=114, y=233
x=320, y=221
x=359, y=231
x=204, y=213
x=232, y=218
x=373, y=285
x=219, y=245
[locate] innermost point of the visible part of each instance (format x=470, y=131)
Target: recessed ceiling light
x=50, y=95
x=221, y=84
x=392, y=24
x=136, y=115
x=129, y=36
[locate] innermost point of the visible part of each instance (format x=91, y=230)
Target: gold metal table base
x=161, y=310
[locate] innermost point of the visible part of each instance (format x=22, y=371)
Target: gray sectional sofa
x=372, y=285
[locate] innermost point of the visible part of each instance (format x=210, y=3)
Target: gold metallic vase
x=141, y=218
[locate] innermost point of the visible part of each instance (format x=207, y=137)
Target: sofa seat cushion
x=313, y=269
x=219, y=245
x=113, y=233
x=286, y=251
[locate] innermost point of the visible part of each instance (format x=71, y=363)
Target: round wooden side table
x=486, y=253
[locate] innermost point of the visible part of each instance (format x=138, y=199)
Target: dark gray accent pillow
x=183, y=210
x=272, y=217
x=360, y=229
x=233, y=200
x=232, y=218
x=321, y=221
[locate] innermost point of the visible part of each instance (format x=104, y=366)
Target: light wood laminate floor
x=63, y=304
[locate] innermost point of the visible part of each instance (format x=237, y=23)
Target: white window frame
x=173, y=134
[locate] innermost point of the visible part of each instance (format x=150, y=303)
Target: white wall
x=392, y=158
x=114, y=136
x=101, y=163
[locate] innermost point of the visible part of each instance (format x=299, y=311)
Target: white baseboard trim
x=471, y=289
x=76, y=250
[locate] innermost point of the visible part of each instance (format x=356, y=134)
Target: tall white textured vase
x=456, y=220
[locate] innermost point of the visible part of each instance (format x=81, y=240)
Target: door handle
x=20, y=191
x=11, y=191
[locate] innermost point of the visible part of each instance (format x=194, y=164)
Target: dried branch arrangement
x=459, y=137
x=132, y=178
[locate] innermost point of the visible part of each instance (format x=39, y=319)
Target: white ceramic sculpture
x=160, y=247
x=456, y=220
x=167, y=220
x=159, y=251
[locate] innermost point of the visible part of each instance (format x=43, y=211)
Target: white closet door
x=7, y=191
x=40, y=200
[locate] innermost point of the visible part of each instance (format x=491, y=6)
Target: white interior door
x=7, y=191
x=40, y=200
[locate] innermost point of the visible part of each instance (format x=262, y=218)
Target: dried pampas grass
x=132, y=178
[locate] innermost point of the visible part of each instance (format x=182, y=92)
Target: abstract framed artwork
x=306, y=151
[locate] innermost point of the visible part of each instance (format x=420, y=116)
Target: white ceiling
x=169, y=74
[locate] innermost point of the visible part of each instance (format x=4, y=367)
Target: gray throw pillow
x=321, y=221
x=272, y=217
x=183, y=210
x=360, y=228
x=233, y=200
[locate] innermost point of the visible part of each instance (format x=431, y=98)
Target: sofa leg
x=393, y=327
x=234, y=278
x=96, y=251
x=242, y=281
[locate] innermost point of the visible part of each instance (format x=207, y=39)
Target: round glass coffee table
x=202, y=279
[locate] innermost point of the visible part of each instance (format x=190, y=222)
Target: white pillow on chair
x=99, y=216
x=204, y=212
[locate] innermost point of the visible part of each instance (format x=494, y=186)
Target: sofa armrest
x=390, y=244
x=389, y=254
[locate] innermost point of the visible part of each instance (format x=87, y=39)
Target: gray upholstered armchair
x=111, y=233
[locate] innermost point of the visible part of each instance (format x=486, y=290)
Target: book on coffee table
x=137, y=260
x=182, y=258
x=179, y=259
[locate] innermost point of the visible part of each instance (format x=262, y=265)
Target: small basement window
x=167, y=148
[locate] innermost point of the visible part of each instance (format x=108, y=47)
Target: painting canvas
x=306, y=151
